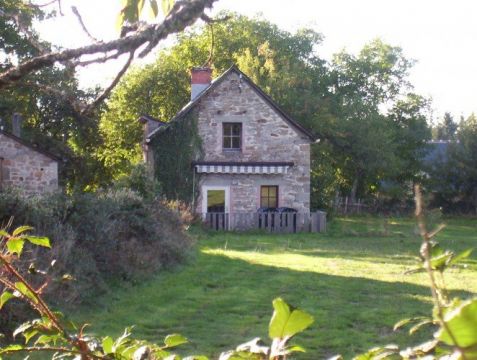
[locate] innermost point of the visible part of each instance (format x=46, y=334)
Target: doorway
x=215, y=199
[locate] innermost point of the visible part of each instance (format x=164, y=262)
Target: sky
x=440, y=35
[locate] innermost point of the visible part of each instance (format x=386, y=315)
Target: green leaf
x=140, y=6
x=440, y=262
x=286, y=322
x=107, y=344
x=4, y=233
x=45, y=339
x=22, y=328
x=154, y=8
x=39, y=240
x=295, y=348
x=11, y=348
x=404, y=322
x=21, y=229
x=22, y=289
x=29, y=334
x=462, y=323
x=167, y=6
x=461, y=256
x=174, y=340
x=6, y=295
x=15, y=245
x=420, y=324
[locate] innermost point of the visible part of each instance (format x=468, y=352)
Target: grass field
x=351, y=279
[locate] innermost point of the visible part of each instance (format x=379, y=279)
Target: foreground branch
x=183, y=14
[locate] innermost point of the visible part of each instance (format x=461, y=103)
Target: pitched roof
x=191, y=104
x=30, y=145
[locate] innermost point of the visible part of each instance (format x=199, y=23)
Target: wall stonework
x=26, y=168
x=266, y=136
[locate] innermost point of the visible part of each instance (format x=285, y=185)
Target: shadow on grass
x=218, y=303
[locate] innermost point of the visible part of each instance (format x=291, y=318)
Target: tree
x=463, y=157
x=411, y=133
x=447, y=130
x=364, y=135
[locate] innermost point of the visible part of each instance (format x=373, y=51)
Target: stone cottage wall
x=26, y=168
x=265, y=137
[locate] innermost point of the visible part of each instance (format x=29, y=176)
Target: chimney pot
x=201, y=77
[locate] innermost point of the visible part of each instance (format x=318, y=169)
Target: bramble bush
x=454, y=320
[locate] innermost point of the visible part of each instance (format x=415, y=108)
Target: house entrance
x=215, y=199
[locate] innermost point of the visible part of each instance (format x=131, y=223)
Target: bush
x=97, y=238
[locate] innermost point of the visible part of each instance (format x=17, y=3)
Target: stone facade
x=25, y=167
x=266, y=137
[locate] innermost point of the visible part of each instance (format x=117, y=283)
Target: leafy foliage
x=174, y=150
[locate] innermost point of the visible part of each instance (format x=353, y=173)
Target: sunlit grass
x=351, y=279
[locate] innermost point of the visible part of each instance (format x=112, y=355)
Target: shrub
x=97, y=238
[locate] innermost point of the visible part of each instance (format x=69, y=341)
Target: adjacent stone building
x=253, y=154
x=25, y=166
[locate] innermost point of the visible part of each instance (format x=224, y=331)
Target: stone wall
x=266, y=136
x=26, y=168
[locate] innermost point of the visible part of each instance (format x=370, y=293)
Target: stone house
x=253, y=154
x=24, y=165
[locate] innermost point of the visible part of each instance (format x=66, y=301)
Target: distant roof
x=191, y=104
x=30, y=145
x=437, y=151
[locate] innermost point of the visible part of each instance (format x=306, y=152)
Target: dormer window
x=232, y=136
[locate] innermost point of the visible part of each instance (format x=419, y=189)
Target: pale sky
x=440, y=35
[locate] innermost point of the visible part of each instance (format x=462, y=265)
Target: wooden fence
x=271, y=222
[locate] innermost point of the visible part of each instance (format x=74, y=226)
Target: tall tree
x=364, y=136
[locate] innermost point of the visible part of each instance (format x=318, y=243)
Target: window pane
x=272, y=202
x=236, y=143
x=236, y=129
x=226, y=142
x=264, y=191
x=272, y=191
x=227, y=129
x=269, y=196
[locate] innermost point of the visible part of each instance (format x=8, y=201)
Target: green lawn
x=351, y=279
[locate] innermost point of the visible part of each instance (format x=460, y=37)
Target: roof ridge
x=30, y=145
x=188, y=107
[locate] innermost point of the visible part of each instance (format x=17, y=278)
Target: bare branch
x=97, y=60
x=83, y=26
x=108, y=90
x=183, y=14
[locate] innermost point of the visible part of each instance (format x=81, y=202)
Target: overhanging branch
x=183, y=14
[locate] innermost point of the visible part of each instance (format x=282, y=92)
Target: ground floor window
x=269, y=196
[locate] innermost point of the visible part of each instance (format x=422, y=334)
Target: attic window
x=232, y=136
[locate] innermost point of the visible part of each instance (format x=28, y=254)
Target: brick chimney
x=17, y=124
x=201, y=78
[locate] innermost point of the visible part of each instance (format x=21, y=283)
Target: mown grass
x=351, y=279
